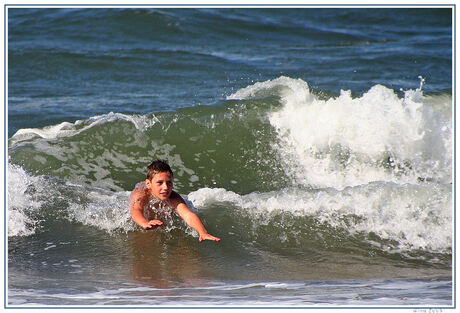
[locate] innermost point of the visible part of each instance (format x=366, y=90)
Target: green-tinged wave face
x=227, y=146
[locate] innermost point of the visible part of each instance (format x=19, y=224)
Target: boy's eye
x=161, y=183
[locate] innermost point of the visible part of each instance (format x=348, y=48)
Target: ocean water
x=316, y=142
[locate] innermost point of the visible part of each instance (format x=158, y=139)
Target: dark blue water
x=316, y=142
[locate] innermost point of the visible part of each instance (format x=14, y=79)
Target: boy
x=156, y=194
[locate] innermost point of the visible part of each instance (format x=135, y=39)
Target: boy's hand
x=152, y=224
x=208, y=237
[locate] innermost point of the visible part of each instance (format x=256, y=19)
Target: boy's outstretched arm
x=194, y=221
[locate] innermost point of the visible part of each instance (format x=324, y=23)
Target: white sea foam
x=414, y=216
x=105, y=210
x=96, y=207
x=20, y=203
x=348, y=141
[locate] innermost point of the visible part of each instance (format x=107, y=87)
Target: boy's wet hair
x=156, y=167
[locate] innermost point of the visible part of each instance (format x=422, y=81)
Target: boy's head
x=156, y=167
x=159, y=179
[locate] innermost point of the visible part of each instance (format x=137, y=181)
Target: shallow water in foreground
x=143, y=268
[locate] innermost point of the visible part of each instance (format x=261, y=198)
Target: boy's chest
x=157, y=208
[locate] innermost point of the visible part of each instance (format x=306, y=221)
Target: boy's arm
x=137, y=203
x=191, y=218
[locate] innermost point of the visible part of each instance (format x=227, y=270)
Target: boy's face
x=161, y=185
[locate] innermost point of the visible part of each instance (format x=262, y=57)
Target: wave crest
x=346, y=141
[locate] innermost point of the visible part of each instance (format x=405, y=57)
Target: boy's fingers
x=209, y=237
x=153, y=223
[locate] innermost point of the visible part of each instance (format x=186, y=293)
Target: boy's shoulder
x=175, y=199
x=140, y=192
